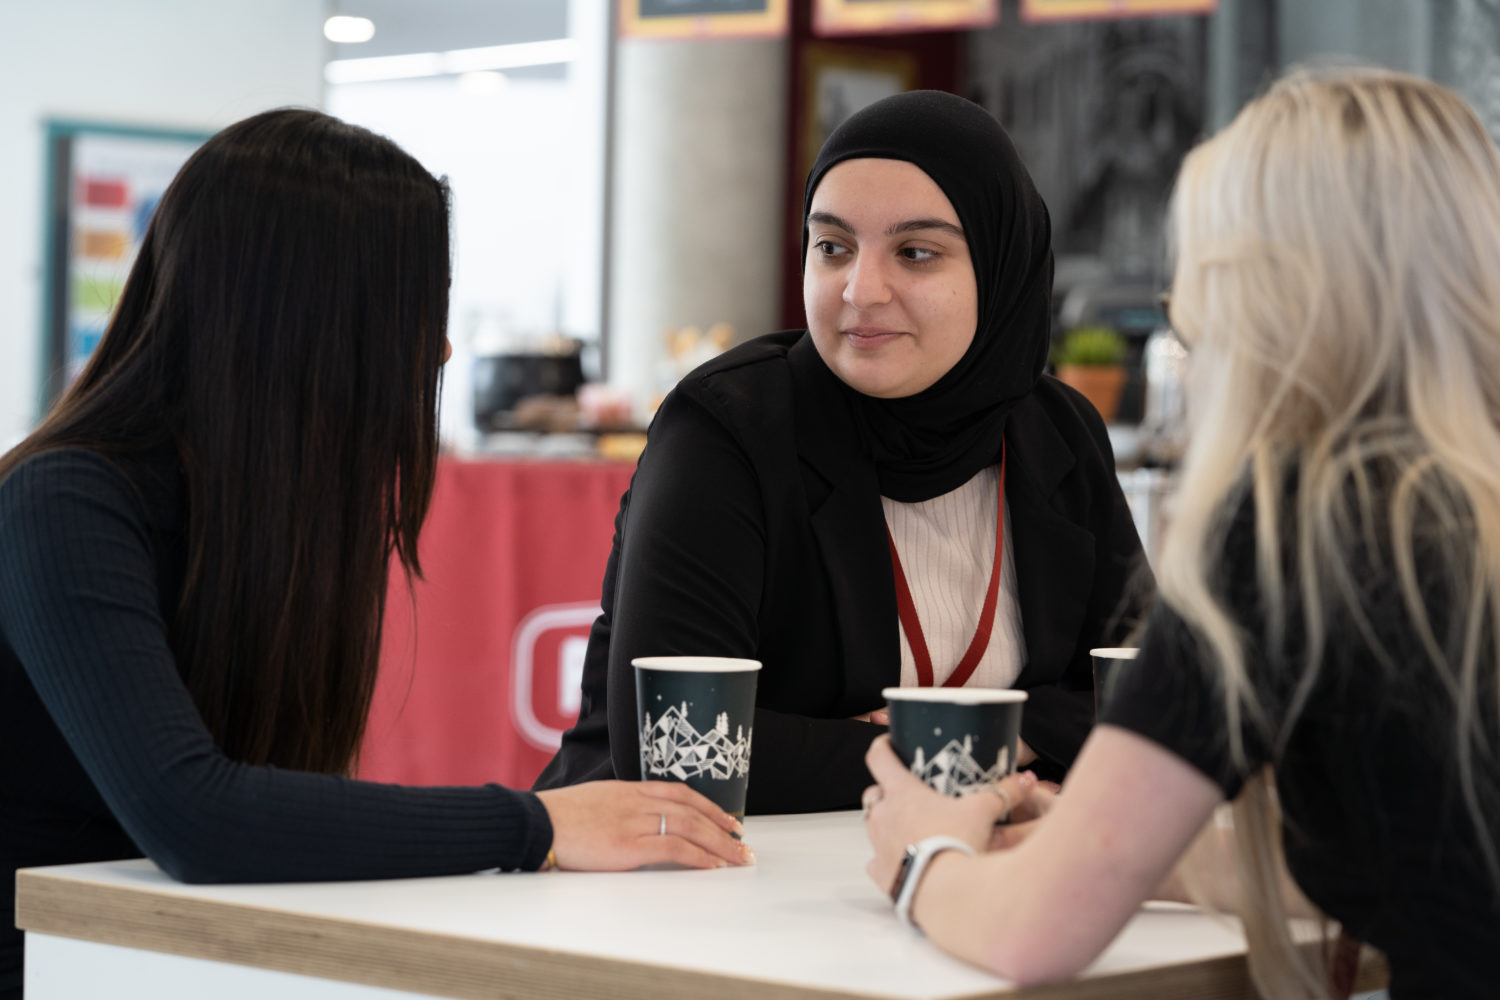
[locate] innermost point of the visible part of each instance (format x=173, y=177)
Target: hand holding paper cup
x=958, y=740
x=695, y=715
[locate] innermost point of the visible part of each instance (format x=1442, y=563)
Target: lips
x=870, y=338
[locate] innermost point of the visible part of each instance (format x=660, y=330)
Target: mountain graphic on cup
x=953, y=770
x=672, y=747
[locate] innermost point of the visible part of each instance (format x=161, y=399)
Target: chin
x=883, y=380
x=879, y=388
x=870, y=376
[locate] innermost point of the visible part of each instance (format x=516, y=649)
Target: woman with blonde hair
x=1324, y=650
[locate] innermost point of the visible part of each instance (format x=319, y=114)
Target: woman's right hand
x=617, y=825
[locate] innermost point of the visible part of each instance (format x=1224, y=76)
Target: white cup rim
x=1115, y=652
x=696, y=664
x=956, y=696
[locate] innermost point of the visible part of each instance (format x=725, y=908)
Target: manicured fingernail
x=1028, y=778
x=747, y=855
x=738, y=827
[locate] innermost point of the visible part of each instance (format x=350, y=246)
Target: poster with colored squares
x=106, y=184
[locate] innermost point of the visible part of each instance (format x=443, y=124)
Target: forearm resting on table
x=1013, y=929
x=1044, y=910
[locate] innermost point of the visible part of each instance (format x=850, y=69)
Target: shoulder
x=61, y=473
x=730, y=418
x=67, y=488
x=1060, y=435
x=755, y=364
x=748, y=387
x=1070, y=413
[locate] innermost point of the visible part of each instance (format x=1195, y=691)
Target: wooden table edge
x=447, y=965
x=348, y=950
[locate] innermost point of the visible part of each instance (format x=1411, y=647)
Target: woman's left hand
x=901, y=810
x=1025, y=818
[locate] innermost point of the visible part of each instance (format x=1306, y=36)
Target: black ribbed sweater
x=103, y=754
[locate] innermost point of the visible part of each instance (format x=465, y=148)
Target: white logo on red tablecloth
x=531, y=635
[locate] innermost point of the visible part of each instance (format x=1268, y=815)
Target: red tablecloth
x=479, y=675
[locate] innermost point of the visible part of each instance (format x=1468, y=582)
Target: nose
x=866, y=284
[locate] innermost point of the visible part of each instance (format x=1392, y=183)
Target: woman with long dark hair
x=194, y=549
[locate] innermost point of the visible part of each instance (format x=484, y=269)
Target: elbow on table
x=1032, y=959
x=203, y=821
x=196, y=854
x=197, y=866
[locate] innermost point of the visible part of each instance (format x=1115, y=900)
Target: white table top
x=805, y=921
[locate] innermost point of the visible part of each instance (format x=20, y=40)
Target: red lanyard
x=907, y=608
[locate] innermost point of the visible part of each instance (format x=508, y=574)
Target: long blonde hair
x=1338, y=275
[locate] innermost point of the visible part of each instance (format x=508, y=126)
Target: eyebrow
x=909, y=226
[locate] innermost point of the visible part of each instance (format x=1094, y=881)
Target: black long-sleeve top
x=103, y=754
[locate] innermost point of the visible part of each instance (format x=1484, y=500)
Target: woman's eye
x=827, y=248
x=918, y=255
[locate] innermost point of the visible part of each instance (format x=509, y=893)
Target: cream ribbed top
x=947, y=548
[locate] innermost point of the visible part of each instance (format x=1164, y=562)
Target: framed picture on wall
x=840, y=80
x=865, y=17
x=1076, y=10
x=103, y=183
x=703, y=18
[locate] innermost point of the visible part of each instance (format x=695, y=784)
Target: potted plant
x=1091, y=360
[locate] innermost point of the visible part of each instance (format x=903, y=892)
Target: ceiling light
x=492, y=57
x=348, y=30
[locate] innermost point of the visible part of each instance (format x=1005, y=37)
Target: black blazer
x=753, y=528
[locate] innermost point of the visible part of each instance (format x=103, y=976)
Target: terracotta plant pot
x=1101, y=384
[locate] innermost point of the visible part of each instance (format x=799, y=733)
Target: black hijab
x=933, y=442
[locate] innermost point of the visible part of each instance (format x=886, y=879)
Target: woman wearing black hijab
x=828, y=501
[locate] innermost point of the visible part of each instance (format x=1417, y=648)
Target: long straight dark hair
x=283, y=330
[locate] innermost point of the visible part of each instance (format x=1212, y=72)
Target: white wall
x=526, y=168
x=197, y=64
x=526, y=178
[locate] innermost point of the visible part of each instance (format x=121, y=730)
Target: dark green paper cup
x=958, y=740
x=1109, y=663
x=695, y=715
